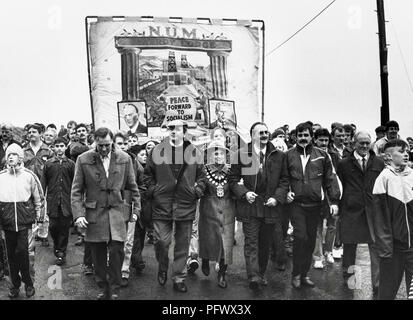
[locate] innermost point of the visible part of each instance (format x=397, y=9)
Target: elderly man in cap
x=175, y=181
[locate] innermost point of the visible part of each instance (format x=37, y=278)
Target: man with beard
x=311, y=174
x=131, y=117
x=259, y=180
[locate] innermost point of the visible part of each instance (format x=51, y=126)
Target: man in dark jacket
x=259, y=181
x=311, y=174
x=175, y=181
x=57, y=181
x=357, y=173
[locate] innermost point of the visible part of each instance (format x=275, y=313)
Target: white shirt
x=258, y=150
x=340, y=150
x=35, y=148
x=106, y=163
x=359, y=159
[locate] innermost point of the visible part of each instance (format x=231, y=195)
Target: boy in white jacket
x=21, y=202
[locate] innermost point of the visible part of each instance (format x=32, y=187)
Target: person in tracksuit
x=393, y=219
x=21, y=202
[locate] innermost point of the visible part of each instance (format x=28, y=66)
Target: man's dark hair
x=323, y=132
x=120, y=135
x=310, y=122
x=338, y=128
x=130, y=104
x=102, y=133
x=34, y=126
x=304, y=126
x=349, y=128
x=256, y=124
x=71, y=122
x=390, y=124
x=335, y=125
x=41, y=127
x=380, y=129
x=51, y=125
x=395, y=143
x=81, y=125
x=60, y=140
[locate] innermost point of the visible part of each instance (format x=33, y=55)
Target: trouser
x=87, y=255
x=278, y=248
x=128, y=249
x=138, y=244
x=285, y=219
x=31, y=234
x=305, y=221
x=17, y=245
x=194, y=244
x=329, y=238
x=3, y=258
x=391, y=273
x=162, y=241
x=257, y=243
x=349, y=259
x=108, y=278
x=59, y=230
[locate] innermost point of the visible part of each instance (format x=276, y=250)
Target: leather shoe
x=306, y=281
x=180, y=286
x=114, y=296
x=254, y=285
x=14, y=293
x=124, y=282
x=263, y=281
x=29, y=291
x=162, y=277
x=281, y=266
x=296, y=282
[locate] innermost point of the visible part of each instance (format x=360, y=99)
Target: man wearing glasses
x=102, y=176
x=259, y=180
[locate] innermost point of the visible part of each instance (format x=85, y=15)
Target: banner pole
x=88, y=68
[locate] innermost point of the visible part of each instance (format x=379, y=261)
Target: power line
x=402, y=56
x=299, y=30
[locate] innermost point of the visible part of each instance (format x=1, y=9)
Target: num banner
x=145, y=72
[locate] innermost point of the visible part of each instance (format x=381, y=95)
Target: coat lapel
x=113, y=169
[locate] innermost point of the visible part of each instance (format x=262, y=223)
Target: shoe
x=29, y=291
x=253, y=285
x=88, y=270
x=60, y=261
x=281, y=266
x=180, y=287
x=217, y=267
x=329, y=257
x=337, y=253
x=102, y=295
x=192, y=265
x=124, y=283
x=114, y=296
x=79, y=241
x=45, y=242
x=14, y=293
x=306, y=281
x=318, y=264
x=263, y=281
x=162, y=277
x=296, y=282
x=205, y=267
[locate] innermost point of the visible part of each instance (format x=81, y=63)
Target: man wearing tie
x=102, y=175
x=358, y=173
x=259, y=180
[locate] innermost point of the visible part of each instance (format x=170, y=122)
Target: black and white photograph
x=206, y=159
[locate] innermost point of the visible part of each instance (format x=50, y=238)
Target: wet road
x=69, y=283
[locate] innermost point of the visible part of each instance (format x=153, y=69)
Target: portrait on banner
x=222, y=114
x=132, y=117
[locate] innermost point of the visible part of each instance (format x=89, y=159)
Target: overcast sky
x=328, y=72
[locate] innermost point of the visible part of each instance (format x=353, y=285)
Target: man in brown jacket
x=102, y=175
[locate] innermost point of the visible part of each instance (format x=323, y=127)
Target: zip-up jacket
x=393, y=207
x=35, y=162
x=21, y=199
x=318, y=176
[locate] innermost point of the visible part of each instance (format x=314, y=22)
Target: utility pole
x=384, y=73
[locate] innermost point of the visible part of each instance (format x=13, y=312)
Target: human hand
x=290, y=197
x=334, y=210
x=271, y=202
x=250, y=196
x=81, y=222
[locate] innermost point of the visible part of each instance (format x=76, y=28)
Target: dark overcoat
x=356, y=205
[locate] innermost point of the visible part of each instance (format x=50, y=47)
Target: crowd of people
x=334, y=189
